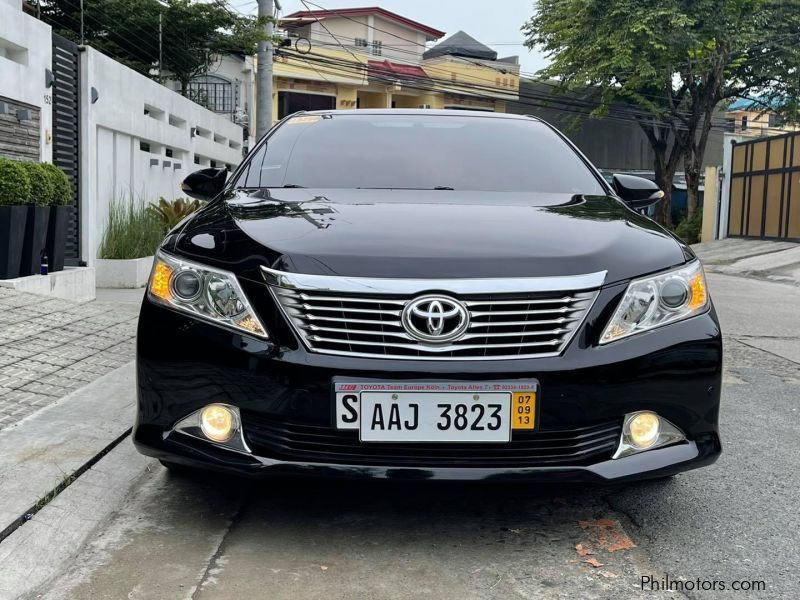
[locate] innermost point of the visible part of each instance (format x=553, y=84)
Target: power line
x=722, y=123
x=55, y=24
x=502, y=70
x=337, y=66
x=459, y=85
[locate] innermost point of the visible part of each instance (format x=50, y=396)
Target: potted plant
x=172, y=213
x=15, y=193
x=60, y=206
x=37, y=220
x=131, y=237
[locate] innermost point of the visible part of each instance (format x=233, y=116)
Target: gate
x=66, y=130
x=765, y=188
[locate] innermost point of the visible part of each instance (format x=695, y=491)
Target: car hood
x=426, y=234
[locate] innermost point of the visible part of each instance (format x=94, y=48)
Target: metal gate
x=66, y=130
x=765, y=188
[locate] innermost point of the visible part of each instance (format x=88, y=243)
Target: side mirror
x=636, y=192
x=205, y=184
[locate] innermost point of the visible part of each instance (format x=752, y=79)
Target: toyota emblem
x=435, y=318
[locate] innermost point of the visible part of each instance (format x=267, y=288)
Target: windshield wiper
x=293, y=185
x=438, y=187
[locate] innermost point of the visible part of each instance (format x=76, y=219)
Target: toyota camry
x=426, y=294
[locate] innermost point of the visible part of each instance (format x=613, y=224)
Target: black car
x=426, y=294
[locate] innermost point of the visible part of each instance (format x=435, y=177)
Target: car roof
x=418, y=111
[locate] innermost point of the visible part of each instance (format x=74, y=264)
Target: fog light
x=217, y=421
x=644, y=428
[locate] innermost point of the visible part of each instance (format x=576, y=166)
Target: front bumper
x=184, y=364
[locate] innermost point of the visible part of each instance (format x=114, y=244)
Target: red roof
x=366, y=11
x=384, y=68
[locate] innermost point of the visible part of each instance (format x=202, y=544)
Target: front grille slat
x=350, y=330
x=522, y=323
x=371, y=311
x=276, y=438
x=318, y=338
x=562, y=300
x=348, y=320
x=502, y=325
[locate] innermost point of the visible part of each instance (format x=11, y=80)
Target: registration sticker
x=304, y=119
x=523, y=410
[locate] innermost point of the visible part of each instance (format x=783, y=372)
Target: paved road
x=219, y=538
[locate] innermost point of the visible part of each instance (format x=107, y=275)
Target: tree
x=193, y=33
x=675, y=62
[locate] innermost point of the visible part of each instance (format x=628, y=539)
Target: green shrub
x=41, y=187
x=132, y=231
x=172, y=213
x=689, y=228
x=60, y=187
x=15, y=184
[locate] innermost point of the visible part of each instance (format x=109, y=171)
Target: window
x=377, y=48
x=360, y=43
x=213, y=92
x=419, y=152
x=744, y=123
x=144, y=146
x=775, y=120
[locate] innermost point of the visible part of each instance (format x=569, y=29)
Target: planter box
x=57, y=236
x=133, y=273
x=35, y=240
x=12, y=235
x=73, y=283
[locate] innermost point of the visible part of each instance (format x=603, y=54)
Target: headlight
x=204, y=292
x=659, y=300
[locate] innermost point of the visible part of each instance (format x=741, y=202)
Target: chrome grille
x=368, y=322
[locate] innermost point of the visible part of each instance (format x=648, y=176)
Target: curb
x=47, y=451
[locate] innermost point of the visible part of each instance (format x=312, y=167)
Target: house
x=373, y=58
x=26, y=81
x=227, y=89
x=361, y=58
x=751, y=117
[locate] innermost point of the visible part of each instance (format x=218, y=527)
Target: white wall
x=400, y=39
x=25, y=54
x=113, y=128
x=727, y=157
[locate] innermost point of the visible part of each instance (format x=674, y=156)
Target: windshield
x=417, y=151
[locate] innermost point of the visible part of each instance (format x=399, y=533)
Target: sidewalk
x=756, y=259
x=51, y=347
x=67, y=394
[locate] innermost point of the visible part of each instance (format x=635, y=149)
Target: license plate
x=435, y=412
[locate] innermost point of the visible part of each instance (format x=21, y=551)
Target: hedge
x=15, y=183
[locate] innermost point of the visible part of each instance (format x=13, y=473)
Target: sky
x=496, y=24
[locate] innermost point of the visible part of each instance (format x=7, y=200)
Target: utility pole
x=266, y=8
x=159, y=47
x=83, y=41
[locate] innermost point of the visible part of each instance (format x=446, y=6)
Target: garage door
x=292, y=102
x=765, y=188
